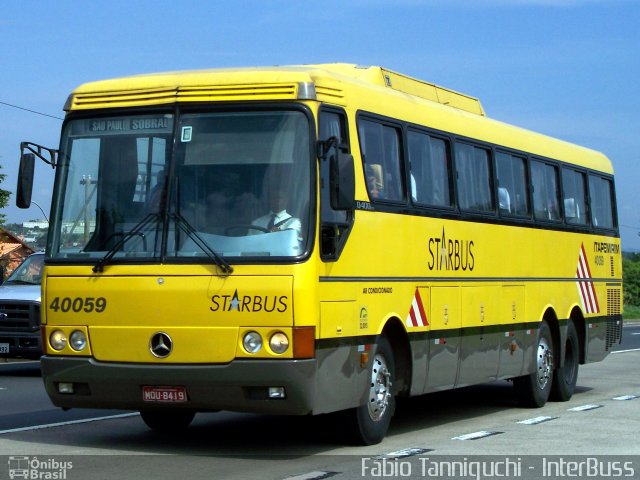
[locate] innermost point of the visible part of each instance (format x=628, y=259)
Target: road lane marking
x=317, y=475
x=536, y=420
x=625, y=397
x=70, y=422
x=406, y=452
x=583, y=408
x=625, y=351
x=476, y=435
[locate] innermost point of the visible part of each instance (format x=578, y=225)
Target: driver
x=278, y=218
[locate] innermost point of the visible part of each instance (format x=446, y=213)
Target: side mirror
x=342, y=181
x=25, y=180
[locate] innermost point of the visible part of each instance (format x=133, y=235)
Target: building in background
x=13, y=251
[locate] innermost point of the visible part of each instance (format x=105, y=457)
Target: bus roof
x=368, y=88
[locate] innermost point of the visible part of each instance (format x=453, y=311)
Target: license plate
x=4, y=348
x=164, y=394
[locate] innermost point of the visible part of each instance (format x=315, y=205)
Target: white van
x=20, y=310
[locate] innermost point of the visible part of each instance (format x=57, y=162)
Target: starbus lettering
x=249, y=303
x=450, y=254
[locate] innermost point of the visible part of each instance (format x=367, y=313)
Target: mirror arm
x=323, y=147
x=38, y=150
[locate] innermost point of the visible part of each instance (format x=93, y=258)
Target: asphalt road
x=601, y=420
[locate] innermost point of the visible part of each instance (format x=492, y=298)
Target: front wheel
x=369, y=422
x=533, y=390
x=565, y=377
x=167, y=421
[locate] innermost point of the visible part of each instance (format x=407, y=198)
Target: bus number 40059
x=78, y=304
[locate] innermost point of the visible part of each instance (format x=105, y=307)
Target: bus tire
x=369, y=422
x=167, y=421
x=533, y=390
x=565, y=377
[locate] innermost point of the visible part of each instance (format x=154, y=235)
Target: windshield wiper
x=135, y=231
x=191, y=232
x=183, y=224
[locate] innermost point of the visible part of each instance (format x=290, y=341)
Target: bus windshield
x=165, y=187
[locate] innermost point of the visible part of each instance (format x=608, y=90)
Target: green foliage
x=631, y=279
x=4, y=198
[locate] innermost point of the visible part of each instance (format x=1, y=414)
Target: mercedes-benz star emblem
x=160, y=345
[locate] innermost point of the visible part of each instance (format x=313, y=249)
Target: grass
x=631, y=312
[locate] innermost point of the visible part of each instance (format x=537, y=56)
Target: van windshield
x=29, y=272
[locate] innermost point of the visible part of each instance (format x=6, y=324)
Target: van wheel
x=565, y=377
x=533, y=390
x=369, y=423
x=167, y=421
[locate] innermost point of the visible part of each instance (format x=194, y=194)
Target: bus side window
x=430, y=169
x=601, y=195
x=574, y=192
x=380, y=147
x=474, y=180
x=546, y=204
x=512, y=185
x=335, y=224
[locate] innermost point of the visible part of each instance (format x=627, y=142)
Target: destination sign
x=124, y=125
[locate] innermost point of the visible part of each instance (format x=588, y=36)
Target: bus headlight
x=78, y=340
x=279, y=342
x=252, y=342
x=58, y=340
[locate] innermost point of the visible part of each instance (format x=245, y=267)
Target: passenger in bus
x=374, y=180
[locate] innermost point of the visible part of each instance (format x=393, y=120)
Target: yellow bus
x=315, y=239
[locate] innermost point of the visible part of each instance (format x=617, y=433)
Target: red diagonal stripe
x=423, y=315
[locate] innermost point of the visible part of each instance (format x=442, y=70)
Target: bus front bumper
x=242, y=385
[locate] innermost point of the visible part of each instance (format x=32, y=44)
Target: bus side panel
x=480, y=344
x=603, y=333
x=512, y=339
x=445, y=340
x=341, y=381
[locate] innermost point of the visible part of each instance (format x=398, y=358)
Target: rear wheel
x=565, y=377
x=167, y=421
x=533, y=390
x=369, y=422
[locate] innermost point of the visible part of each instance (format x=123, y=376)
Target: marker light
x=252, y=342
x=58, y=340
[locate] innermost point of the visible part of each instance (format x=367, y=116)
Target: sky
x=565, y=68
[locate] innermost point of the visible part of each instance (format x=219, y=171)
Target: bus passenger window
x=601, y=194
x=512, y=185
x=429, y=160
x=474, y=184
x=574, y=190
x=380, y=147
x=546, y=205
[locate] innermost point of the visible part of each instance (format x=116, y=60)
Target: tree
x=4, y=198
x=631, y=279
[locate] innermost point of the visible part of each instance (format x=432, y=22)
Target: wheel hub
x=380, y=391
x=544, y=361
